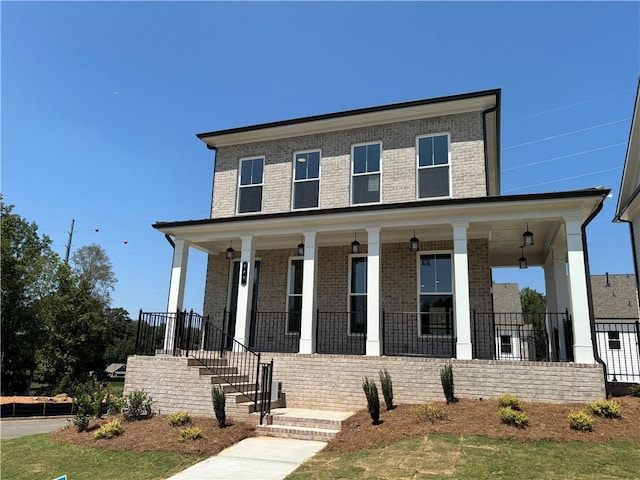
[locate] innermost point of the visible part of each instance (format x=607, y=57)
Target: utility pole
x=66, y=257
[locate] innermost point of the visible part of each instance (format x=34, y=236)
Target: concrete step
x=217, y=370
x=211, y=362
x=231, y=378
x=308, y=418
x=301, y=433
x=249, y=407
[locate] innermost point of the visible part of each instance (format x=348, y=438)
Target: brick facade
x=398, y=167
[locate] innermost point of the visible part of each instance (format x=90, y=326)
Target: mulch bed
x=480, y=417
x=155, y=435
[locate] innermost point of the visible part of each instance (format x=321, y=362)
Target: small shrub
x=179, y=419
x=81, y=422
x=634, y=390
x=513, y=417
x=114, y=404
x=606, y=408
x=190, y=433
x=373, y=402
x=88, y=402
x=109, y=430
x=218, y=398
x=508, y=400
x=446, y=378
x=387, y=388
x=432, y=412
x=580, y=420
x=137, y=406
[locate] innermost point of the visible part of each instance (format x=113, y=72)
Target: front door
x=233, y=301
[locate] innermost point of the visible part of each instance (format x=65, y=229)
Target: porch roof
x=501, y=220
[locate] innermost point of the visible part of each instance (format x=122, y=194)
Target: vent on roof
x=607, y=276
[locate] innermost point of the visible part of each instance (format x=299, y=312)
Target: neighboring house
x=617, y=324
x=374, y=231
x=116, y=370
x=628, y=208
x=354, y=237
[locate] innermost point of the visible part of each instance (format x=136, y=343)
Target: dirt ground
x=466, y=417
x=62, y=398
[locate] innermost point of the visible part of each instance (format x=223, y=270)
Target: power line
x=564, y=156
x=566, y=134
x=563, y=179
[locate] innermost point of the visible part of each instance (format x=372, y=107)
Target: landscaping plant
x=511, y=401
x=431, y=411
x=89, y=401
x=606, y=408
x=373, y=402
x=387, y=388
x=446, y=378
x=513, y=417
x=580, y=420
x=218, y=398
x=137, y=406
x=190, y=433
x=179, y=419
x=634, y=390
x=109, y=430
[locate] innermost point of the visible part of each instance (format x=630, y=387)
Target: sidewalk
x=255, y=458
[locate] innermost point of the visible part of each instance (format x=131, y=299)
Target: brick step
x=229, y=390
x=248, y=407
x=331, y=424
x=217, y=370
x=301, y=433
x=210, y=362
x=232, y=378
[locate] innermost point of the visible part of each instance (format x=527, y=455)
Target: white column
x=374, y=346
x=552, y=305
x=561, y=292
x=583, y=345
x=176, y=289
x=309, y=276
x=245, y=291
x=461, y=305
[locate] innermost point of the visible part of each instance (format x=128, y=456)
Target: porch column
x=309, y=275
x=176, y=289
x=559, y=293
x=461, y=306
x=582, y=343
x=374, y=346
x=245, y=291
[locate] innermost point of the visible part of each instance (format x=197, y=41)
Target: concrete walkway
x=255, y=458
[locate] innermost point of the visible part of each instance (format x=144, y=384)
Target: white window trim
x=294, y=181
x=351, y=256
x=418, y=291
x=418, y=167
x=239, y=186
x=379, y=172
x=286, y=325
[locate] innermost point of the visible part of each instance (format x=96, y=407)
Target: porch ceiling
x=501, y=221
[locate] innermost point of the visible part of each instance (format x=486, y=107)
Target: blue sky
x=101, y=102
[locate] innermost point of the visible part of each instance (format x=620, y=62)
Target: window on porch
x=294, y=301
x=358, y=295
x=435, y=294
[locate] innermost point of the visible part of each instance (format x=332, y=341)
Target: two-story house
x=373, y=232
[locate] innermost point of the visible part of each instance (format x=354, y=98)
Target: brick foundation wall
x=335, y=381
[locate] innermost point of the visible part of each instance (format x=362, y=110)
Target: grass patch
x=36, y=456
x=467, y=457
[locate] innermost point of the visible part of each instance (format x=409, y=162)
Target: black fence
x=275, y=331
x=341, y=332
x=418, y=334
x=618, y=342
x=44, y=409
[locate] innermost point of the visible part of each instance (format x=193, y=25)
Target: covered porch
x=411, y=279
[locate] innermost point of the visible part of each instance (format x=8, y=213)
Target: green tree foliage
x=534, y=308
x=27, y=271
x=122, y=340
x=93, y=267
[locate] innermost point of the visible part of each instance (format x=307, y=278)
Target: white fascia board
x=631, y=172
x=352, y=121
x=389, y=218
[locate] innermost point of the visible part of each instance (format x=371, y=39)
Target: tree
x=93, y=267
x=27, y=273
x=123, y=336
x=534, y=308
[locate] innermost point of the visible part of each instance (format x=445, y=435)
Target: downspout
x=484, y=142
x=173, y=246
x=589, y=293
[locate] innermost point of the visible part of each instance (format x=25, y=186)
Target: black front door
x=233, y=301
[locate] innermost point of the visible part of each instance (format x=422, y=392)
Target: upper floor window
x=306, y=179
x=365, y=182
x=433, y=166
x=250, y=188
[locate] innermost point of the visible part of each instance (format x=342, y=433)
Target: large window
x=294, y=295
x=250, y=188
x=435, y=294
x=306, y=180
x=365, y=181
x=358, y=295
x=433, y=166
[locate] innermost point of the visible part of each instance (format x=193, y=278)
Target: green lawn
x=37, y=457
x=449, y=457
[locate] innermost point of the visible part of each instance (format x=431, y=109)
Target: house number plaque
x=243, y=279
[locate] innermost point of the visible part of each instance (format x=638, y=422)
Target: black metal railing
x=418, y=334
x=265, y=389
x=275, y=331
x=516, y=336
x=341, y=332
x=619, y=347
x=199, y=338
